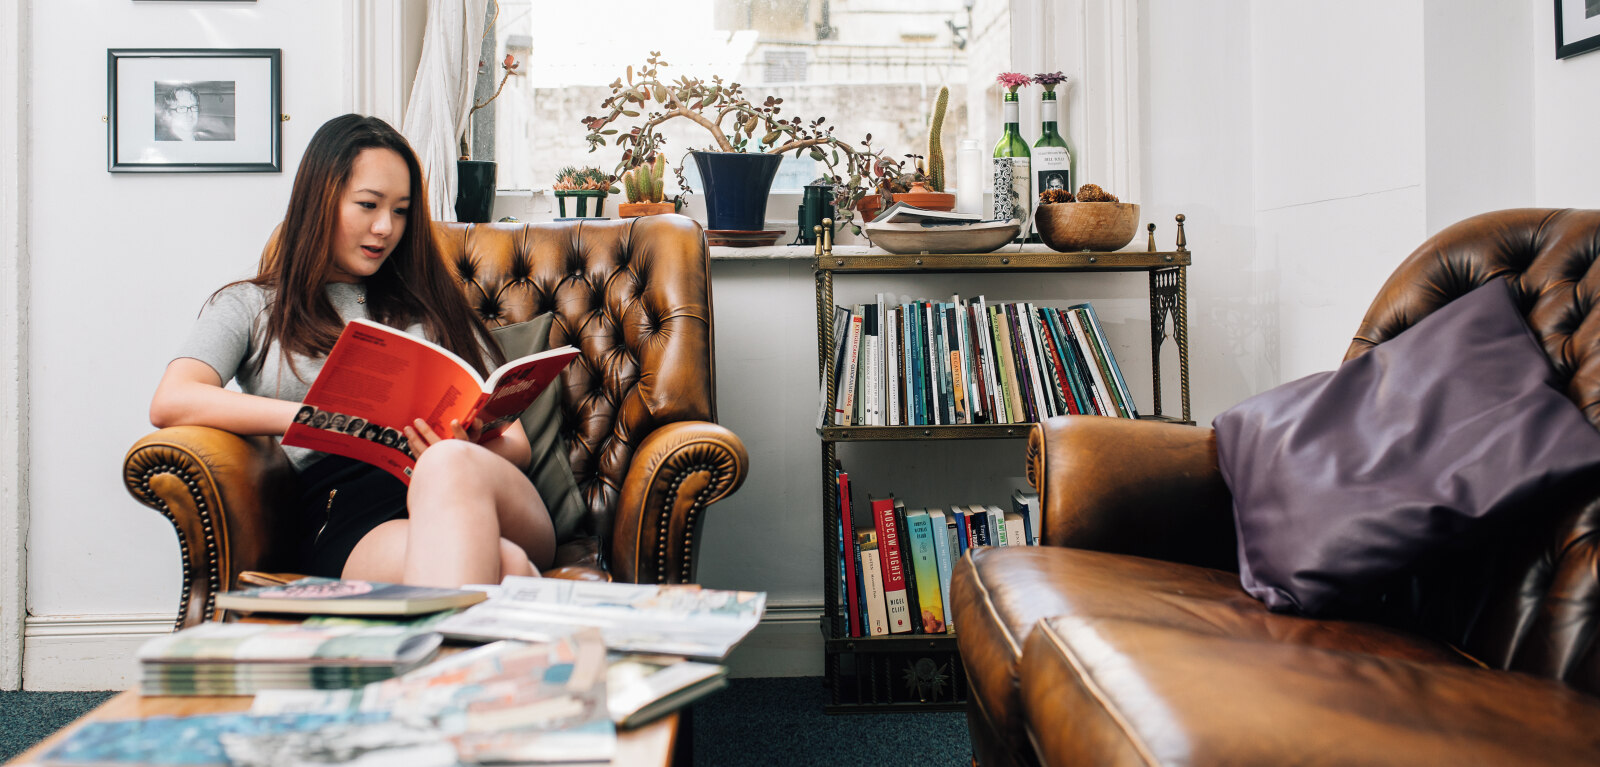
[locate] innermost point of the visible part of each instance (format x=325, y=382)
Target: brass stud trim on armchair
x=137, y=476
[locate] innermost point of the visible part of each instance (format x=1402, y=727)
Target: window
x=868, y=66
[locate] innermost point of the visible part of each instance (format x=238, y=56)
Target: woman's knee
x=452, y=461
x=514, y=561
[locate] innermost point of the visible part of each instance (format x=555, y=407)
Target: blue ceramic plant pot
x=474, y=190
x=736, y=187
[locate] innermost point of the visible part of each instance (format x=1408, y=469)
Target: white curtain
x=441, y=96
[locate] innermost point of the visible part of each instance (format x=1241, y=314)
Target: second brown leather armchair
x=639, y=408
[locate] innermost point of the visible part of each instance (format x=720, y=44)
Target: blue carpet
x=763, y=722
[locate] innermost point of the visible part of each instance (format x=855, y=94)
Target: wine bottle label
x=1013, y=190
x=1049, y=111
x=1012, y=112
x=1052, y=168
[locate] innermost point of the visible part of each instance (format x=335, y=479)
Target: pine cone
x=1054, y=195
x=1093, y=193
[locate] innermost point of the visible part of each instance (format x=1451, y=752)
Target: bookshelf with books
x=957, y=368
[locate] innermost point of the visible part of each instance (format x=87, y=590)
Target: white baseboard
x=96, y=652
x=787, y=643
x=86, y=652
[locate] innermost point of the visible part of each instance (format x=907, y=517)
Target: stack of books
x=922, y=363
x=246, y=658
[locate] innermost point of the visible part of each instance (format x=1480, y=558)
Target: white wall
x=120, y=264
x=1566, y=111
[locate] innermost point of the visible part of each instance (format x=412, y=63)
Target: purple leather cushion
x=1341, y=480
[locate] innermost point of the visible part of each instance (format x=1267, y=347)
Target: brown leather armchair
x=1127, y=640
x=639, y=409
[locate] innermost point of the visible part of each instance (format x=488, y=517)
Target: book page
x=516, y=384
x=375, y=382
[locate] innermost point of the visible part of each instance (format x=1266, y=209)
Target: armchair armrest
x=678, y=471
x=218, y=490
x=1144, y=488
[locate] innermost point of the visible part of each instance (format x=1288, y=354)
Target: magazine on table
x=503, y=702
x=332, y=596
x=670, y=620
x=377, y=380
x=244, y=658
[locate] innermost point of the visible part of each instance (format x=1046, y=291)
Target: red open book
x=377, y=380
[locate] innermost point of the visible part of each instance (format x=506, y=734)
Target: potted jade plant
x=748, y=141
x=475, y=178
x=581, y=186
x=645, y=187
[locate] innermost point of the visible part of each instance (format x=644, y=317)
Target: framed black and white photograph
x=194, y=110
x=1577, y=27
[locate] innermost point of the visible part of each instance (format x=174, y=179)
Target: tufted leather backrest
x=634, y=296
x=1529, y=598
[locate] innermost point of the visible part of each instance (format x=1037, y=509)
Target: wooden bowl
x=1093, y=226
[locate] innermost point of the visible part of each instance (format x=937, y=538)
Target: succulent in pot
x=646, y=190
x=580, y=186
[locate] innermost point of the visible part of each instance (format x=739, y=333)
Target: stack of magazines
x=640, y=618
x=245, y=658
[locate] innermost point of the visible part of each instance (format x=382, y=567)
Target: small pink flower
x=1013, y=80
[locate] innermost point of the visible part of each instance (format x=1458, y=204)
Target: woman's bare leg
x=462, y=502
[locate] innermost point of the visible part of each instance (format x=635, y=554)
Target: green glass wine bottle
x=1052, y=158
x=1013, y=177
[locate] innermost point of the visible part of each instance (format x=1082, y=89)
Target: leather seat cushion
x=1111, y=691
x=998, y=595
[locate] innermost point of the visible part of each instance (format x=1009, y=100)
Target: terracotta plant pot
x=637, y=209
x=869, y=206
x=922, y=197
x=1094, y=226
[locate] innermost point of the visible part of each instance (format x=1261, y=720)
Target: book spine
x=958, y=382
x=874, y=372
x=1052, y=364
x=1080, y=395
x=963, y=535
x=993, y=520
x=1111, y=359
x=1042, y=400
x=1016, y=529
x=907, y=409
x=1057, y=363
x=908, y=565
x=1020, y=350
x=985, y=330
x=1003, y=365
x=935, y=398
x=891, y=361
x=1107, y=382
x=847, y=388
x=978, y=518
x=872, y=577
x=946, y=374
x=1019, y=504
x=1101, y=394
x=976, y=389
x=1081, y=366
x=925, y=565
x=944, y=550
x=826, y=408
x=893, y=568
x=847, y=534
x=919, y=348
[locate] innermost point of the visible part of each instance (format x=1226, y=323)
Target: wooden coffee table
x=652, y=744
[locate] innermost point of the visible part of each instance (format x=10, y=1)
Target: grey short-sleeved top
x=233, y=326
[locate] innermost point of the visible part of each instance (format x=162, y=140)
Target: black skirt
x=342, y=500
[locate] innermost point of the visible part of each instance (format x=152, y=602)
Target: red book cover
x=848, y=533
x=894, y=574
x=377, y=380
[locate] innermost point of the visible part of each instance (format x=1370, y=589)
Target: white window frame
x=14, y=95
x=1104, y=34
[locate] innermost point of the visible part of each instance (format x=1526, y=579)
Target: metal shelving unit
x=922, y=672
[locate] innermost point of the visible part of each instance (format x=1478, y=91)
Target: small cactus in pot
x=645, y=186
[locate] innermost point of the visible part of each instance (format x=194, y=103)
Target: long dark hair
x=411, y=286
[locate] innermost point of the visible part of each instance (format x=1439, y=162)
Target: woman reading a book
x=357, y=242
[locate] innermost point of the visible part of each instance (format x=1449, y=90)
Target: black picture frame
x=1567, y=49
x=241, y=131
